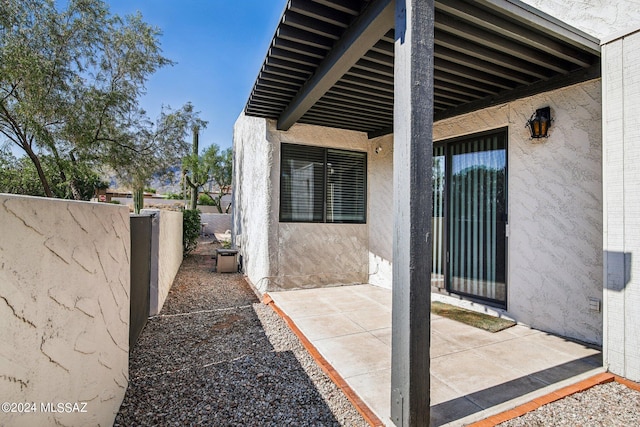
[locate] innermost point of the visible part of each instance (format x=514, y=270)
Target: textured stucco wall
x=621, y=157
x=555, y=208
x=215, y=222
x=380, y=211
x=64, y=308
x=599, y=18
x=289, y=255
x=169, y=253
x=339, y=251
x=253, y=231
x=166, y=255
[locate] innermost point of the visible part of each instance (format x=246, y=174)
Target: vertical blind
x=438, y=221
x=469, y=216
x=478, y=217
x=320, y=184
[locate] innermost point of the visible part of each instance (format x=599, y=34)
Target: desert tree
x=213, y=166
x=70, y=81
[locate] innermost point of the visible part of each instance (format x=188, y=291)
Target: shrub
x=174, y=196
x=205, y=200
x=190, y=230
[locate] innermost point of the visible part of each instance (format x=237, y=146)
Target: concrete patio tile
x=302, y=306
x=569, y=370
x=520, y=331
x=377, y=294
x=465, y=335
x=373, y=388
x=447, y=405
x=469, y=372
x=440, y=391
x=566, y=345
x=505, y=391
x=441, y=346
x=348, y=303
x=473, y=371
x=355, y=354
x=299, y=294
x=371, y=319
x=327, y=326
x=538, y=356
x=383, y=335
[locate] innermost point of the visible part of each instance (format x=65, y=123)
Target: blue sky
x=218, y=47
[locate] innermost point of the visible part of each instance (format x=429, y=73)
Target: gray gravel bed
x=611, y=404
x=217, y=357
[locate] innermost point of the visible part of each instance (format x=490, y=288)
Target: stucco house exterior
x=333, y=183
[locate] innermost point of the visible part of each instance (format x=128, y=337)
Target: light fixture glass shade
x=540, y=122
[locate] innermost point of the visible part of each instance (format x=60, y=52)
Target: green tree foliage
x=195, y=172
x=190, y=230
x=70, y=81
x=19, y=176
x=212, y=166
x=205, y=200
x=146, y=148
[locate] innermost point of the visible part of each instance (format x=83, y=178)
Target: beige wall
x=290, y=255
x=216, y=222
x=555, y=208
x=64, y=308
x=380, y=210
x=314, y=255
x=169, y=253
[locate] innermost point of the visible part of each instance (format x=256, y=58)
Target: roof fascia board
x=533, y=17
x=376, y=20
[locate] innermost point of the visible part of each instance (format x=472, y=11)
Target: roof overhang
x=331, y=62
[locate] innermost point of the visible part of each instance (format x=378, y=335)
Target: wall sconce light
x=378, y=149
x=540, y=122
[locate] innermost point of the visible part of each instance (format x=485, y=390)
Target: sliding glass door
x=472, y=241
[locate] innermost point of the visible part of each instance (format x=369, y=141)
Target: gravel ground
x=611, y=404
x=216, y=356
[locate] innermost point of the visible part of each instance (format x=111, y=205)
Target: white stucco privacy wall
x=621, y=158
x=290, y=255
x=555, y=205
x=64, y=308
x=252, y=227
x=215, y=222
x=166, y=255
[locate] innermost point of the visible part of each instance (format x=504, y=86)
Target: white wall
x=599, y=18
x=621, y=111
x=215, y=222
x=555, y=208
x=64, y=308
x=313, y=255
x=253, y=231
x=380, y=211
x=290, y=255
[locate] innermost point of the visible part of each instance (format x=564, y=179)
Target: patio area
x=474, y=373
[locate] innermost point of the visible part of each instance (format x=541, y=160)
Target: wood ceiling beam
x=374, y=22
x=521, y=33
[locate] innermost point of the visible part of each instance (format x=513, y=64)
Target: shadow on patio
x=474, y=373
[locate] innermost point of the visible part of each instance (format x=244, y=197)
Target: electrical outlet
x=595, y=305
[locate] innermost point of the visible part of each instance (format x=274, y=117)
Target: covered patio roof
x=331, y=62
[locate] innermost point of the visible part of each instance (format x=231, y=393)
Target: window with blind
x=320, y=184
